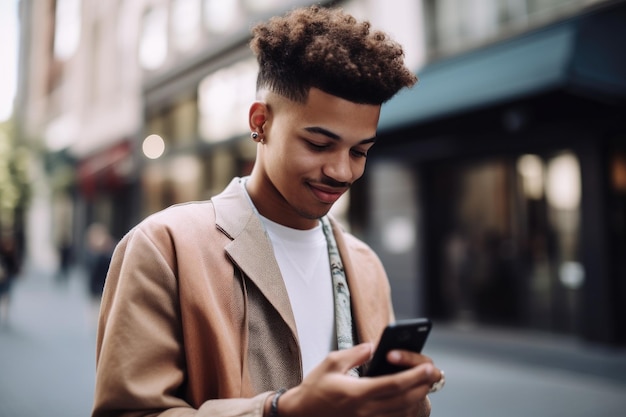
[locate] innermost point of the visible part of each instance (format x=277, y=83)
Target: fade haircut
x=330, y=50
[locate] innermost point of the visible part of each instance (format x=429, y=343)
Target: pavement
x=502, y=372
x=47, y=348
x=47, y=363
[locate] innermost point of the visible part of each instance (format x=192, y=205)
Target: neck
x=271, y=205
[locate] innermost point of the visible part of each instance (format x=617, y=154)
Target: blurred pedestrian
x=65, y=261
x=223, y=307
x=100, y=247
x=9, y=270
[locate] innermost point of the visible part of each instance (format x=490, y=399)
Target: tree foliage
x=14, y=178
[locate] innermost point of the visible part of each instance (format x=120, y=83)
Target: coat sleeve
x=140, y=360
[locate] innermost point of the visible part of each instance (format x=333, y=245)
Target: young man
x=220, y=308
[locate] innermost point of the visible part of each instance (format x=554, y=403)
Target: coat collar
x=250, y=247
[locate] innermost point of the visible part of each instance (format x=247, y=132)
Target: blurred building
x=497, y=191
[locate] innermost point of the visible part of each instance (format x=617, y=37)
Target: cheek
x=358, y=168
x=287, y=163
x=305, y=161
x=296, y=159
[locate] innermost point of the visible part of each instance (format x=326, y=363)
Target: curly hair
x=330, y=50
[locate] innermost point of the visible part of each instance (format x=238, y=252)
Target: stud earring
x=254, y=135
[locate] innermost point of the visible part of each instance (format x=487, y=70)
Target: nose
x=339, y=167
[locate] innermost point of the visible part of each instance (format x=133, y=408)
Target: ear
x=257, y=116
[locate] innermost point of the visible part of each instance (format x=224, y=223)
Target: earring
x=254, y=135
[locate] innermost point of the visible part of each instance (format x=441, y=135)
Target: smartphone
x=408, y=334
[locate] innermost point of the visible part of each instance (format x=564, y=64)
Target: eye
x=361, y=151
x=317, y=146
x=359, y=154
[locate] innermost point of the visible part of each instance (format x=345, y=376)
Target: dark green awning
x=584, y=54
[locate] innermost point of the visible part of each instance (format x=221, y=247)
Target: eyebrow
x=321, y=131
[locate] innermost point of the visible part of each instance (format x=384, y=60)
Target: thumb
x=346, y=359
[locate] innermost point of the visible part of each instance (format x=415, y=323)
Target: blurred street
x=47, y=359
x=496, y=192
x=47, y=363
x=504, y=373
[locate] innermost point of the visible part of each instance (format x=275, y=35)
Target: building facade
x=515, y=154
x=493, y=196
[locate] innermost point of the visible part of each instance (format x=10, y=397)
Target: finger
x=410, y=403
x=418, y=378
x=344, y=360
x=406, y=358
x=401, y=408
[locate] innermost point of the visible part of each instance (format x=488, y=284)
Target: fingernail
x=394, y=356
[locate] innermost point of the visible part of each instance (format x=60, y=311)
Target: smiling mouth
x=327, y=195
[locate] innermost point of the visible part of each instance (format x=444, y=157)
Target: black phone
x=410, y=334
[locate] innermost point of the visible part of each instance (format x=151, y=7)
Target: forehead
x=347, y=119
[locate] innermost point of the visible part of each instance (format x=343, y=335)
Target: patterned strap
x=343, y=311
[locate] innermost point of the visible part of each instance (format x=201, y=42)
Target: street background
x=495, y=196
x=47, y=364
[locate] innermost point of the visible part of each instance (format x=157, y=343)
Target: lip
x=327, y=195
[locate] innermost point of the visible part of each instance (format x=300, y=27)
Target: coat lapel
x=252, y=251
x=250, y=248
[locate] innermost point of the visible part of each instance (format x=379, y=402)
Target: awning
x=584, y=54
x=106, y=170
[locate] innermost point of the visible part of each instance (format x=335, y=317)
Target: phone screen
x=408, y=334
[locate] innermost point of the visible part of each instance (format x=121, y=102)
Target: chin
x=313, y=215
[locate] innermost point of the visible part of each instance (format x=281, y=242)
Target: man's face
x=312, y=154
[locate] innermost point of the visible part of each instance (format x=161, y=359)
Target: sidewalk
x=532, y=349
x=47, y=350
x=508, y=373
x=47, y=363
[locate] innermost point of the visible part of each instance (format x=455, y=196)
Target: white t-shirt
x=302, y=256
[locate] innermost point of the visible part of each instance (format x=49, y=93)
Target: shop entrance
x=503, y=242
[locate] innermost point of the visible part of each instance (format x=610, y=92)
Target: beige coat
x=195, y=318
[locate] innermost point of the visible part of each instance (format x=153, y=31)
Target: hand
x=329, y=391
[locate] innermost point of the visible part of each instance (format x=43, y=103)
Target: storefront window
x=563, y=196
x=153, y=178
x=184, y=121
x=157, y=125
x=508, y=240
x=563, y=183
x=184, y=179
x=618, y=172
x=617, y=219
x=531, y=170
x=170, y=181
